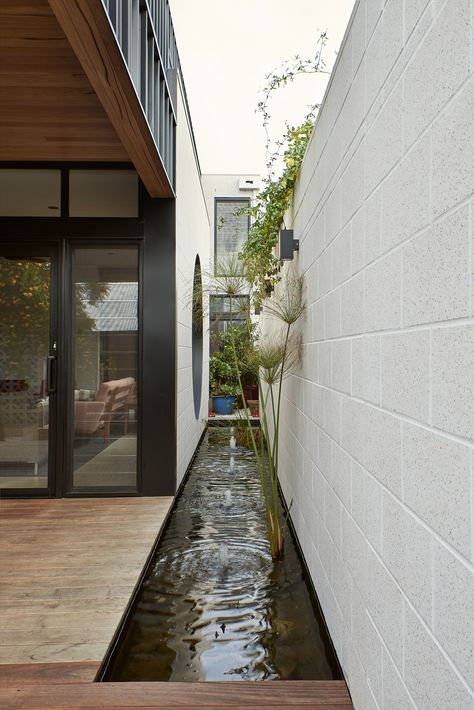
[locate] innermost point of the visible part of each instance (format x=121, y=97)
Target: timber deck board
x=278, y=695
x=21, y=674
x=68, y=568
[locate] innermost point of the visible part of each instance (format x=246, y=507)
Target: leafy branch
x=268, y=212
x=257, y=254
x=280, y=78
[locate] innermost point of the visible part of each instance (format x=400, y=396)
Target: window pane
x=30, y=193
x=103, y=193
x=25, y=305
x=232, y=227
x=105, y=367
x=220, y=307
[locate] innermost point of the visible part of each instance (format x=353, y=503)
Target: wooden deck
x=68, y=568
x=245, y=695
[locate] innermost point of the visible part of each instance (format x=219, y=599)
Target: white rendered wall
x=216, y=185
x=379, y=424
x=192, y=238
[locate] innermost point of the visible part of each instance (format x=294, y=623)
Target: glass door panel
x=27, y=371
x=105, y=368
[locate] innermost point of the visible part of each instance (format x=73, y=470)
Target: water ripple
x=213, y=605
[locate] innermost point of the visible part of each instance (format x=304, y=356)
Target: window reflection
x=25, y=298
x=105, y=367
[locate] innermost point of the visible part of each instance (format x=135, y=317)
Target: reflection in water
x=213, y=606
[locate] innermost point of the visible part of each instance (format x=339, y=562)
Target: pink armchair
x=112, y=398
x=88, y=416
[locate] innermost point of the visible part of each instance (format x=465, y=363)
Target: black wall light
x=288, y=244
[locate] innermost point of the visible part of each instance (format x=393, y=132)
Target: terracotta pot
x=253, y=406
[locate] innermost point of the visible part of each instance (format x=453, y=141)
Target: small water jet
x=232, y=463
x=212, y=573
x=223, y=554
x=232, y=442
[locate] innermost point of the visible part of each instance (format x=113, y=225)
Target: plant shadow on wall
x=268, y=360
x=271, y=358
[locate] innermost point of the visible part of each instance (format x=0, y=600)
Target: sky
x=227, y=47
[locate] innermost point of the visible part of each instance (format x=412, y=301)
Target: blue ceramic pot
x=224, y=405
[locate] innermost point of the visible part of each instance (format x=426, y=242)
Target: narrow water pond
x=212, y=605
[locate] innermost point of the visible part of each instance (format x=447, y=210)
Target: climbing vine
x=261, y=264
x=257, y=254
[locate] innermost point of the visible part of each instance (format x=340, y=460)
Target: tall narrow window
x=231, y=227
x=105, y=367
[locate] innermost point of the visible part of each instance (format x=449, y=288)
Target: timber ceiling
x=48, y=109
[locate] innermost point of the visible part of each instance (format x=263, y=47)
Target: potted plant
x=223, y=382
x=225, y=374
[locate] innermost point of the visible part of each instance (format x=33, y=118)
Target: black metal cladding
x=144, y=32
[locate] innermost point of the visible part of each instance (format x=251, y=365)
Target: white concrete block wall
x=378, y=448
x=192, y=238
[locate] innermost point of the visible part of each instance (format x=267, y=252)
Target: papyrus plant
x=271, y=360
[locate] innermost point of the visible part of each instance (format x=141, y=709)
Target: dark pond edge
x=111, y=649
x=307, y=577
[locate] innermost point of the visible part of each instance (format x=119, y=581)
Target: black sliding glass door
x=28, y=370
x=105, y=368
x=69, y=370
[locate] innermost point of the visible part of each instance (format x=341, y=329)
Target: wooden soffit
x=48, y=109
x=87, y=28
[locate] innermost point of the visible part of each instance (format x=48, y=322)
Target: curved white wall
x=192, y=237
